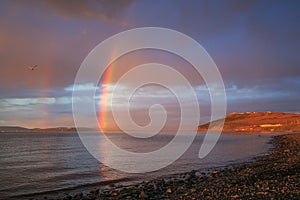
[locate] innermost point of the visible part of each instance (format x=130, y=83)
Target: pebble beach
x=274, y=176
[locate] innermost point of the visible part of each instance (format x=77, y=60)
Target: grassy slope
x=254, y=122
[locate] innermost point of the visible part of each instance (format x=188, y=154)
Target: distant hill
x=11, y=129
x=257, y=122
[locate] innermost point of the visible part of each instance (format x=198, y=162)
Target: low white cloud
x=40, y=108
x=255, y=93
x=25, y=101
x=81, y=87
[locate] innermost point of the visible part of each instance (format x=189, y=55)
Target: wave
x=58, y=192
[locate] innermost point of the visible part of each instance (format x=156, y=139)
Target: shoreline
x=272, y=176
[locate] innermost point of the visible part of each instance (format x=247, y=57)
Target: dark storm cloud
x=29, y=37
x=110, y=11
x=278, y=94
x=249, y=40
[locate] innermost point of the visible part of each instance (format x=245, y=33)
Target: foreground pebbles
x=275, y=176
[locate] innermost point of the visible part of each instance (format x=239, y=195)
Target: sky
x=255, y=45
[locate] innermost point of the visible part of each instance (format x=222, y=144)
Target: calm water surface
x=51, y=164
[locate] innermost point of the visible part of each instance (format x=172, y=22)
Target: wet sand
x=275, y=176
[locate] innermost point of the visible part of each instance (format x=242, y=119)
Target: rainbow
x=105, y=98
x=45, y=82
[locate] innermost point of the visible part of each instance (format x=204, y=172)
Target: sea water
x=34, y=165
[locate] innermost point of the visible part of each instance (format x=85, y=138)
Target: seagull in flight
x=32, y=67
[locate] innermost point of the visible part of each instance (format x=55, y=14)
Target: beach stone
x=261, y=193
x=67, y=197
x=114, y=194
x=112, y=185
x=193, y=190
x=286, y=151
x=169, y=191
x=78, y=196
x=142, y=195
x=95, y=191
x=214, y=172
x=193, y=173
x=234, y=196
x=146, y=182
x=188, y=177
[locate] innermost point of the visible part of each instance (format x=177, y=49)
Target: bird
x=32, y=67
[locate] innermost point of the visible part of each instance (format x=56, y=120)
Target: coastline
x=272, y=176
